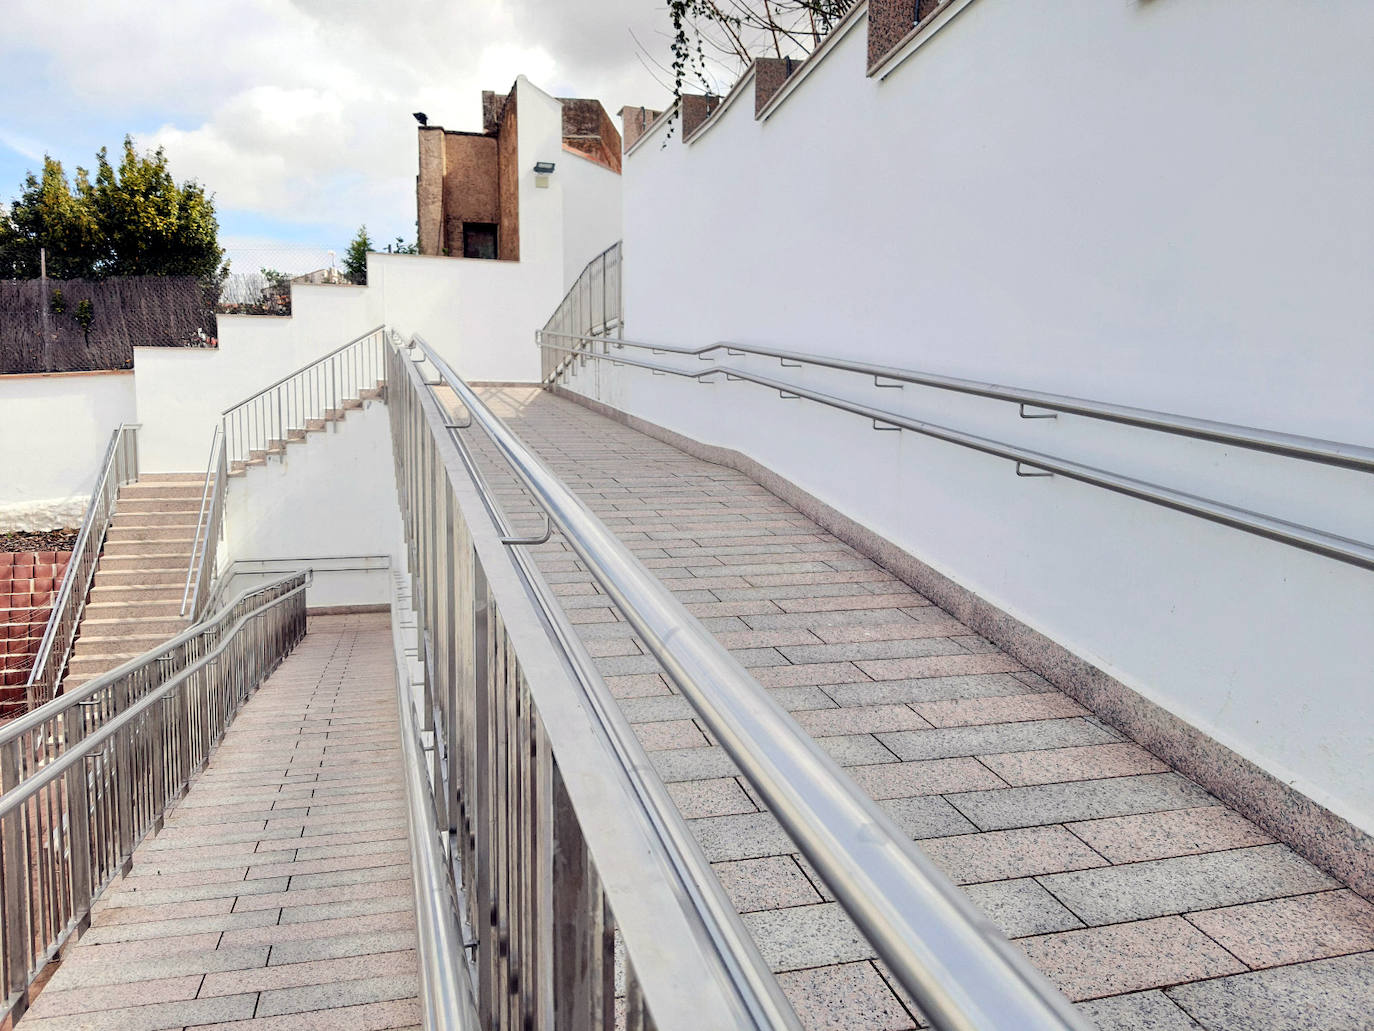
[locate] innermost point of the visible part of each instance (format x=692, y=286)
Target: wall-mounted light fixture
x=542, y=171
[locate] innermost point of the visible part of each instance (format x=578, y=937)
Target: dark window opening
x=479, y=240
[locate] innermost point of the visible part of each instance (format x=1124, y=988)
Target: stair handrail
x=205, y=545
x=267, y=418
x=87, y=776
x=305, y=368
x=1278, y=442
x=120, y=466
x=957, y=966
x=1296, y=535
x=573, y=313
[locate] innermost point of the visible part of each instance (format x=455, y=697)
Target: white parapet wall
x=330, y=504
x=54, y=430
x=1154, y=204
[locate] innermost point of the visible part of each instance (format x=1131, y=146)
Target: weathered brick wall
x=28, y=582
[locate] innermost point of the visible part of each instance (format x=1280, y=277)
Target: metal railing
x=447, y=999
x=540, y=791
x=305, y=399
x=1039, y=463
x=88, y=775
x=495, y=704
x=593, y=307
x=200, y=571
x=119, y=467
x=1289, y=445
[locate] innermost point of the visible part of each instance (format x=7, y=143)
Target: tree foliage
x=355, y=258
x=716, y=39
x=133, y=219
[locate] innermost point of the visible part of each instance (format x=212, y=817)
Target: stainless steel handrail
x=304, y=368
x=266, y=423
x=89, y=775
x=446, y=990
x=211, y=502
x=120, y=466
x=82, y=692
x=758, y=991
x=12, y=800
x=955, y=964
x=577, y=310
x=1290, y=445
x=1306, y=538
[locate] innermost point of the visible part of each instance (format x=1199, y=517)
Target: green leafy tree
x=355, y=258
x=48, y=214
x=85, y=315
x=133, y=220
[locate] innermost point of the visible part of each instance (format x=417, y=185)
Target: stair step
x=133, y=549
x=164, y=491
x=128, y=518
x=131, y=626
x=167, y=532
x=157, y=607
x=112, y=595
x=163, y=505
x=91, y=651
x=141, y=577
x=191, y=477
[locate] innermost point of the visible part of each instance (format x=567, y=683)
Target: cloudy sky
x=296, y=113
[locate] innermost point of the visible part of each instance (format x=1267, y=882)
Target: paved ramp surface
x=1135, y=890
x=278, y=896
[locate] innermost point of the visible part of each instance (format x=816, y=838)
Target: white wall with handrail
x=1152, y=204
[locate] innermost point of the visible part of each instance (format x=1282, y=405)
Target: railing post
x=15, y=862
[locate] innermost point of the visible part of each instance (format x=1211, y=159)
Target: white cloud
x=300, y=109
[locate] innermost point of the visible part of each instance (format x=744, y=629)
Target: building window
x=479, y=240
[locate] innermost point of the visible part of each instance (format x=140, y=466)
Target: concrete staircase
x=135, y=601
x=298, y=434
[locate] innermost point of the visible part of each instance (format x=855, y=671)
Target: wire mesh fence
x=78, y=325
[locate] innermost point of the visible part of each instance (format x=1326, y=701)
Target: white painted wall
x=591, y=212
x=331, y=497
x=54, y=430
x=481, y=315
x=1158, y=204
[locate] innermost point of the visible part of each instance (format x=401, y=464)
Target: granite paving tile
x=807, y=936
x=968, y=711
x=58, y=1000
x=860, y=720
x=1081, y=762
x=998, y=855
x=337, y=996
x=743, y=836
x=400, y=1014
x=1099, y=961
x=720, y=797
x=1143, y=1011
x=844, y=996
x=992, y=738
x=933, y=689
x=1138, y=890
x=1329, y=994
x=153, y=1017
x=1129, y=839
x=932, y=777
x=1080, y=800
x=769, y=882
x=1021, y=907
x=1292, y=930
